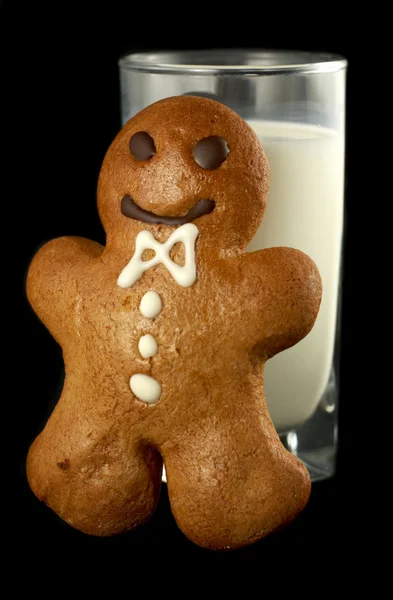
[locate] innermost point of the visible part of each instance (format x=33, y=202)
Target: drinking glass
x=295, y=101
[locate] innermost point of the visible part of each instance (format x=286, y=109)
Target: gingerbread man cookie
x=165, y=333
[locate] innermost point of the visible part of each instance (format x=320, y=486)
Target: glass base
x=319, y=463
x=315, y=442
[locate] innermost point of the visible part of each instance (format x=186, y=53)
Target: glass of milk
x=295, y=101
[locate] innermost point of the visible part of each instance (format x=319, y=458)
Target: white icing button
x=148, y=346
x=151, y=305
x=145, y=388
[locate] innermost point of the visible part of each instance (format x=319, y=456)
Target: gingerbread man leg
x=232, y=483
x=102, y=481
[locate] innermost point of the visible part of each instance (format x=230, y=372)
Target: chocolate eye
x=211, y=152
x=142, y=146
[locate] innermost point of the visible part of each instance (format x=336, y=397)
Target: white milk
x=304, y=211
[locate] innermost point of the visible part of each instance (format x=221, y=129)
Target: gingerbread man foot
x=100, y=486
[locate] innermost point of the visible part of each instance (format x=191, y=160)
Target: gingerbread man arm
x=285, y=289
x=52, y=280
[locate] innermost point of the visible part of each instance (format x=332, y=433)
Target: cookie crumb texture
x=214, y=316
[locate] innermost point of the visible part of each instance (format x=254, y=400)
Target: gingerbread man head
x=205, y=162
x=164, y=353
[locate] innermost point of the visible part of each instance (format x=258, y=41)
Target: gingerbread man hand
x=165, y=333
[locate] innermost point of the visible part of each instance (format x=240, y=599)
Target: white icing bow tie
x=183, y=275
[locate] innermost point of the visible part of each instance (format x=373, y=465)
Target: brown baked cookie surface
x=165, y=333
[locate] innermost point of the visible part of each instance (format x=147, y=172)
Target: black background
x=65, y=97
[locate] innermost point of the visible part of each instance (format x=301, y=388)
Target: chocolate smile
x=130, y=209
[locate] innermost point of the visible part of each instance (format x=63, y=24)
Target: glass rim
x=236, y=61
